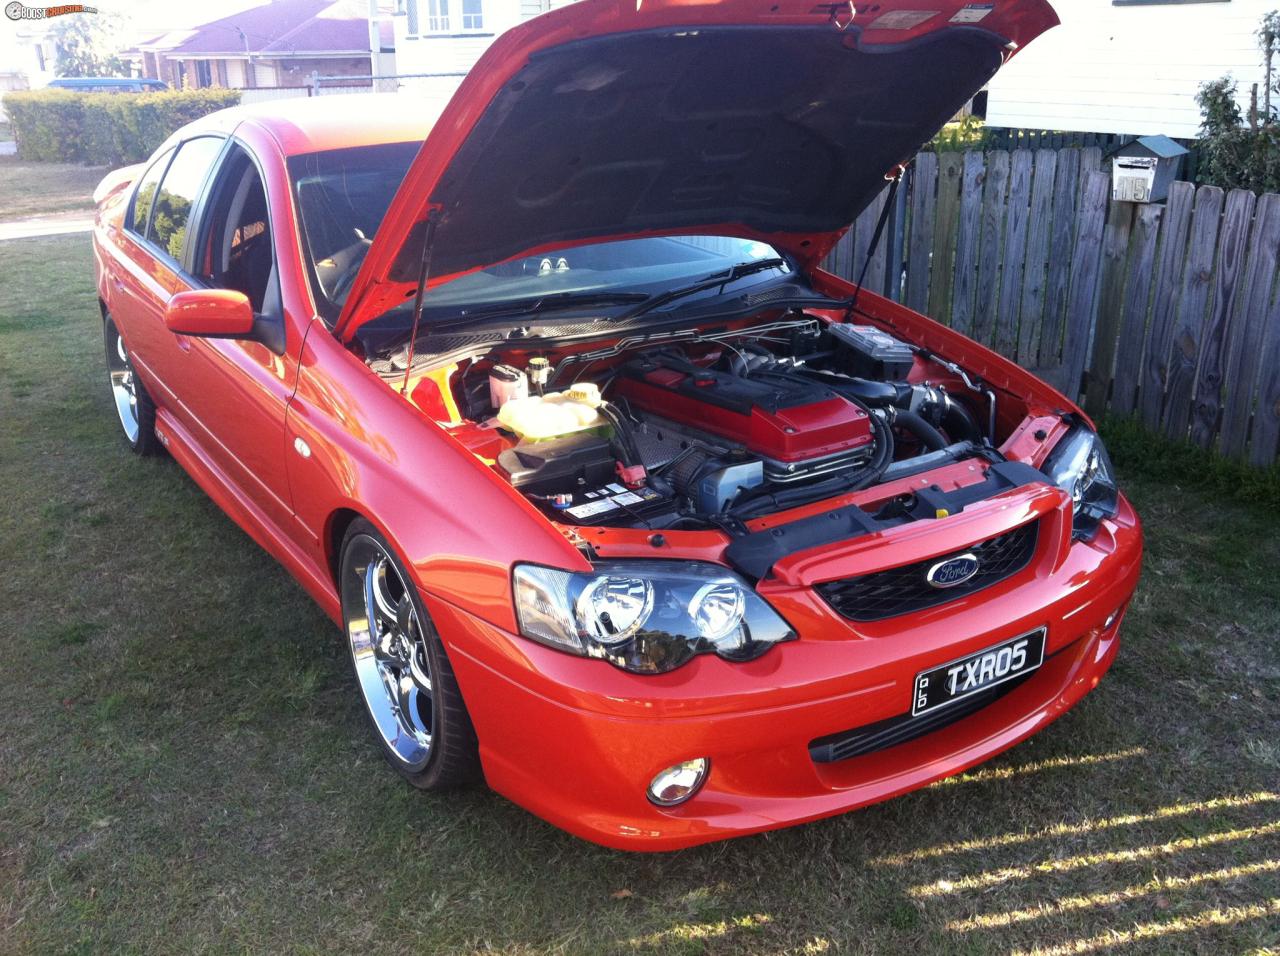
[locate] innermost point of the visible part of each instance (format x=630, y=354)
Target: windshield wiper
x=552, y=303
x=740, y=271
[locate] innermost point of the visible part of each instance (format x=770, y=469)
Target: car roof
x=74, y=81
x=318, y=123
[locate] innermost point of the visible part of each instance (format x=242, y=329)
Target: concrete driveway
x=56, y=225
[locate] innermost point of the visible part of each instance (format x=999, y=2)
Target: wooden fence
x=1162, y=312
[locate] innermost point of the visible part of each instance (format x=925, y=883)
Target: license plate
x=962, y=678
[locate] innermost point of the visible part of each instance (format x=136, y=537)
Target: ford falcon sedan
x=625, y=506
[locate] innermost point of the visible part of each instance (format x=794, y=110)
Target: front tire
x=136, y=410
x=410, y=694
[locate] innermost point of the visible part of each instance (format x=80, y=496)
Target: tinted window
x=147, y=192
x=181, y=185
x=342, y=196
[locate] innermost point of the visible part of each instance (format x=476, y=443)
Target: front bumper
x=577, y=741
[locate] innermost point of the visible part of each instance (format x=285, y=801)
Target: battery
x=871, y=353
x=615, y=504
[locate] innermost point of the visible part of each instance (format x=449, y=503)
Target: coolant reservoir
x=553, y=415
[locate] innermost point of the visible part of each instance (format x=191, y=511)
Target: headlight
x=1079, y=466
x=646, y=616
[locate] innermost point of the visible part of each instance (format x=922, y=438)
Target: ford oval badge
x=953, y=571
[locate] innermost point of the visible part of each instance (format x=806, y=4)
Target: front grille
x=903, y=728
x=884, y=594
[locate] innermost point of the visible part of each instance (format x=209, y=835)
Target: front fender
x=457, y=525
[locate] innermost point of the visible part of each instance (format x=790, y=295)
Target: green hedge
x=104, y=129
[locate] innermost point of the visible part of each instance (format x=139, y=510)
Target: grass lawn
x=183, y=765
x=41, y=189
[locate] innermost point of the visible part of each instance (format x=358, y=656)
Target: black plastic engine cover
x=559, y=465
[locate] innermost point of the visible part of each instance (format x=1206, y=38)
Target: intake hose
x=929, y=436
x=864, y=391
x=758, y=502
x=958, y=422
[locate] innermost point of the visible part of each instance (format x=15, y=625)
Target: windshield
x=342, y=196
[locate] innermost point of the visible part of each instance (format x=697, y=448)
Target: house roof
x=280, y=29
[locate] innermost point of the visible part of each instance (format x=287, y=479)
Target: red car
x=624, y=505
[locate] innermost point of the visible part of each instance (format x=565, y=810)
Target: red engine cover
x=788, y=422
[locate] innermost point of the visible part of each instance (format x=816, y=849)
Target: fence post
x=1137, y=300
x=969, y=233
x=946, y=225
x=1031, y=308
x=994, y=208
x=1205, y=224
x=1015, y=254
x=1228, y=274
x=315, y=83
x=1243, y=359
x=1174, y=229
x=1115, y=258
x=1263, y=447
x=1066, y=197
x=924, y=180
x=1082, y=304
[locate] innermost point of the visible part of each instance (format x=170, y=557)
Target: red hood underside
x=611, y=119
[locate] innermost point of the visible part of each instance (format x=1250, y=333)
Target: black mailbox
x=1143, y=170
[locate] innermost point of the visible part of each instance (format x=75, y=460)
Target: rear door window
x=178, y=191
x=146, y=194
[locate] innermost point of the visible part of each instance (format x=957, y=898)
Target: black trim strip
x=893, y=731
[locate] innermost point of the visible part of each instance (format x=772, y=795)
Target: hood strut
x=894, y=178
x=424, y=273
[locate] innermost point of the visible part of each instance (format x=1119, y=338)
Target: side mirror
x=211, y=313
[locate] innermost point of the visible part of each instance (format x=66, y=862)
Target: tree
x=86, y=45
x=1233, y=154
x=1269, y=42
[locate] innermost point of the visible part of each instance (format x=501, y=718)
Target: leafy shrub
x=48, y=125
x=1233, y=155
x=967, y=133
x=107, y=129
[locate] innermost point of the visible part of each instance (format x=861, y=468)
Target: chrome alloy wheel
x=389, y=651
x=124, y=387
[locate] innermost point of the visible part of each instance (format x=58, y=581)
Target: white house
x=26, y=57
x=1129, y=66
x=447, y=36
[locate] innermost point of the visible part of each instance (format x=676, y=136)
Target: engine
x=796, y=427
x=693, y=435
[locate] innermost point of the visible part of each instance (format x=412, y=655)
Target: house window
x=437, y=16
x=472, y=15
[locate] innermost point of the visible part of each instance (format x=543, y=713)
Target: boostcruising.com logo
x=18, y=11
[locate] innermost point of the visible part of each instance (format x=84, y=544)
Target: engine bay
x=696, y=428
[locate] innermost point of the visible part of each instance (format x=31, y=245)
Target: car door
x=149, y=269
x=237, y=390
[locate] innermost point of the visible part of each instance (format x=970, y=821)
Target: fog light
x=677, y=784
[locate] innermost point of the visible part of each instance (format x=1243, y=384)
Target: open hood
x=607, y=119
